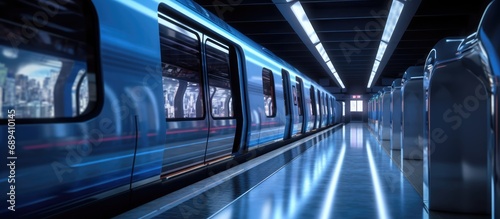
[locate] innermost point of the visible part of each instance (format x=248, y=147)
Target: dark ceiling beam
x=280, y=27
x=326, y=10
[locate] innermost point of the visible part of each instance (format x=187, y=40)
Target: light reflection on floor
x=346, y=175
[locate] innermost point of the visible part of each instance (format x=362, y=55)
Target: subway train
x=99, y=103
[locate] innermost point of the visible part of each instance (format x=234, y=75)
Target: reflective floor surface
x=341, y=173
x=346, y=175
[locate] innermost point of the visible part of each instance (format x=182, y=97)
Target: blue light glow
x=381, y=206
x=327, y=207
x=392, y=19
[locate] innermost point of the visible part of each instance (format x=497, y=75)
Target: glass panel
x=299, y=95
x=353, y=106
x=269, y=95
x=45, y=75
x=221, y=103
x=325, y=99
x=190, y=100
x=359, y=106
x=181, y=72
x=219, y=79
x=231, y=112
x=312, y=102
x=318, y=104
x=294, y=94
x=356, y=106
x=170, y=87
x=83, y=94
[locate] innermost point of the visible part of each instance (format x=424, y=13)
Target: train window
x=325, y=104
x=181, y=71
x=319, y=107
x=299, y=94
x=219, y=79
x=294, y=94
x=47, y=66
x=231, y=111
x=269, y=95
x=312, y=101
x=331, y=105
x=325, y=98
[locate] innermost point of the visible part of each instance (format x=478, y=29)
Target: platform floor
x=344, y=173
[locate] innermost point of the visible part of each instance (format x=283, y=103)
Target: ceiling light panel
x=299, y=12
x=392, y=19
x=381, y=50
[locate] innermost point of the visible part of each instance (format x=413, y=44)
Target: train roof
x=212, y=18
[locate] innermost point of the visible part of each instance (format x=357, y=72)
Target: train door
x=184, y=94
x=223, y=95
x=327, y=108
x=320, y=111
x=328, y=105
x=300, y=123
x=285, y=76
x=312, y=108
x=324, y=111
x=332, y=111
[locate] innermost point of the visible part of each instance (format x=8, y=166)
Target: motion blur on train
x=98, y=102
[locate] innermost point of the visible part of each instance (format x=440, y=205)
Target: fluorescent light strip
x=299, y=12
x=371, y=79
x=375, y=65
x=338, y=79
x=390, y=25
x=392, y=19
x=322, y=52
x=369, y=82
x=301, y=16
x=381, y=50
x=330, y=66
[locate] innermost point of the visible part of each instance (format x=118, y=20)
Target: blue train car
x=98, y=103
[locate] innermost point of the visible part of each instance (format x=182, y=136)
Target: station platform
x=344, y=172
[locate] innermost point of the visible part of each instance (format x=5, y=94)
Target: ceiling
x=350, y=31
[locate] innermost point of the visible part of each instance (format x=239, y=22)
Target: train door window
x=231, y=111
x=319, y=103
x=181, y=71
x=327, y=107
x=325, y=100
x=269, y=95
x=325, y=103
x=330, y=104
x=47, y=66
x=294, y=94
x=299, y=94
x=219, y=79
x=312, y=101
x=285, y=81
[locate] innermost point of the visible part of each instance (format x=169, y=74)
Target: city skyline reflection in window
x=29, y=83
